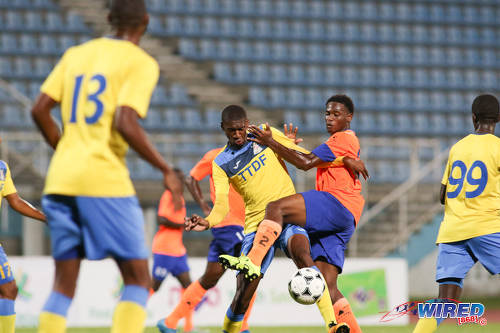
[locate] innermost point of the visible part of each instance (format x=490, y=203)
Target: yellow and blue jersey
x=472, y=180
x=90, y=81
x=6, y=184
x=256, y=173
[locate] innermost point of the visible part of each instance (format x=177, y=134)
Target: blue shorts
x=281, y=243
x=330, y=226
x=95, y=227
x=457, y=258
x=6, y=274
x=227, y=240
x=163, y=264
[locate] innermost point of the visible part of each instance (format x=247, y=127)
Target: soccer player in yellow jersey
x=8, y=288
x=103, y=86
x=251, y=168
x=470, y=192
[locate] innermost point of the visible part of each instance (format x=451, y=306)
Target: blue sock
x=234, y=317
x=58, y=304
x=136, y=294
x=6, y=307
x=316, y=268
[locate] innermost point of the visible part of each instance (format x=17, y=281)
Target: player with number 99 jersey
x=90, y=157
x=472, y=180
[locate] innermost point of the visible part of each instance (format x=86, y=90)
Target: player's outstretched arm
x=23, y=207
x=196, y=223
x=127, y=124
x=44, y=121
x=300, y=160
x=167, y=223
x=194, y=188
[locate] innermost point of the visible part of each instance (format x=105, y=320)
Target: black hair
x=125, y=14
x=233, y=112
x=486, y=108
x=342, y=99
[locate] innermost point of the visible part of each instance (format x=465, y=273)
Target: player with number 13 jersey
x=90, y=160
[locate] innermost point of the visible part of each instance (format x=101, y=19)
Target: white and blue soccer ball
x=306, y=286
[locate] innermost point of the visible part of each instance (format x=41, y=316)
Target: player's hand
x=196, y=223
x=173, y=183
x=261, y=136
x=356, y=166
x=291, y=133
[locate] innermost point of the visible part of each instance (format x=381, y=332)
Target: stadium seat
x=277, y=97
x=242, y=73
x=48, y=45
x=5, y=67
x=192, y=119
x=155, y=25
x=54, y=22
x=172, y=119
x=257, y=96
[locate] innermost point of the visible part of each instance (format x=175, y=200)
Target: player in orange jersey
x=169, y=253
x=227, y=240
x=329, y=214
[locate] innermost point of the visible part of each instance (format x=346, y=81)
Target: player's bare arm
x=196, y=223
x=442, y=194
x=167, y=223
x=127, y=124
x=44, y=120
x=195, y=190
x=300, y=160
x=24, y=208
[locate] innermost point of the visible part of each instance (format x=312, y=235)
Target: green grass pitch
x=448, y=328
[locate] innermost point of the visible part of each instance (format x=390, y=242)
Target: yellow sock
x=426, y=325
x=129, y=317
x=326, y=308
x=231, y=326
x=51, y=323
x=7, y=324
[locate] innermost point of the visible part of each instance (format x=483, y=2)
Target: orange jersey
x=338, y=180
x=167, y=240
x=203, y=168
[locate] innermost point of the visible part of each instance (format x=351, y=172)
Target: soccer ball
x=306, y=286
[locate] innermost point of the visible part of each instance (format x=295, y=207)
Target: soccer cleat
x=228, y=261
x=163, y=328
x=247, y=267
x=339, y=328
x=245, y=331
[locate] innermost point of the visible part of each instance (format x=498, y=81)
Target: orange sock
x=267, y=233
x=151, y=292
x=244, y=325
x=191, y=297
x=344, y=314
x=188, y=318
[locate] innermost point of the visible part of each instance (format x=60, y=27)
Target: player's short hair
x=126, y=13
x=342, y=99
x=486, y=108
x=233, y=112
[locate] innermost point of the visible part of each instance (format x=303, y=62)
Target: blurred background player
x=8, y=287
x=89, y=198
x=329, y=214
x=227, y=237
x=470, y=230
x=249, y=167
x=169, y=253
